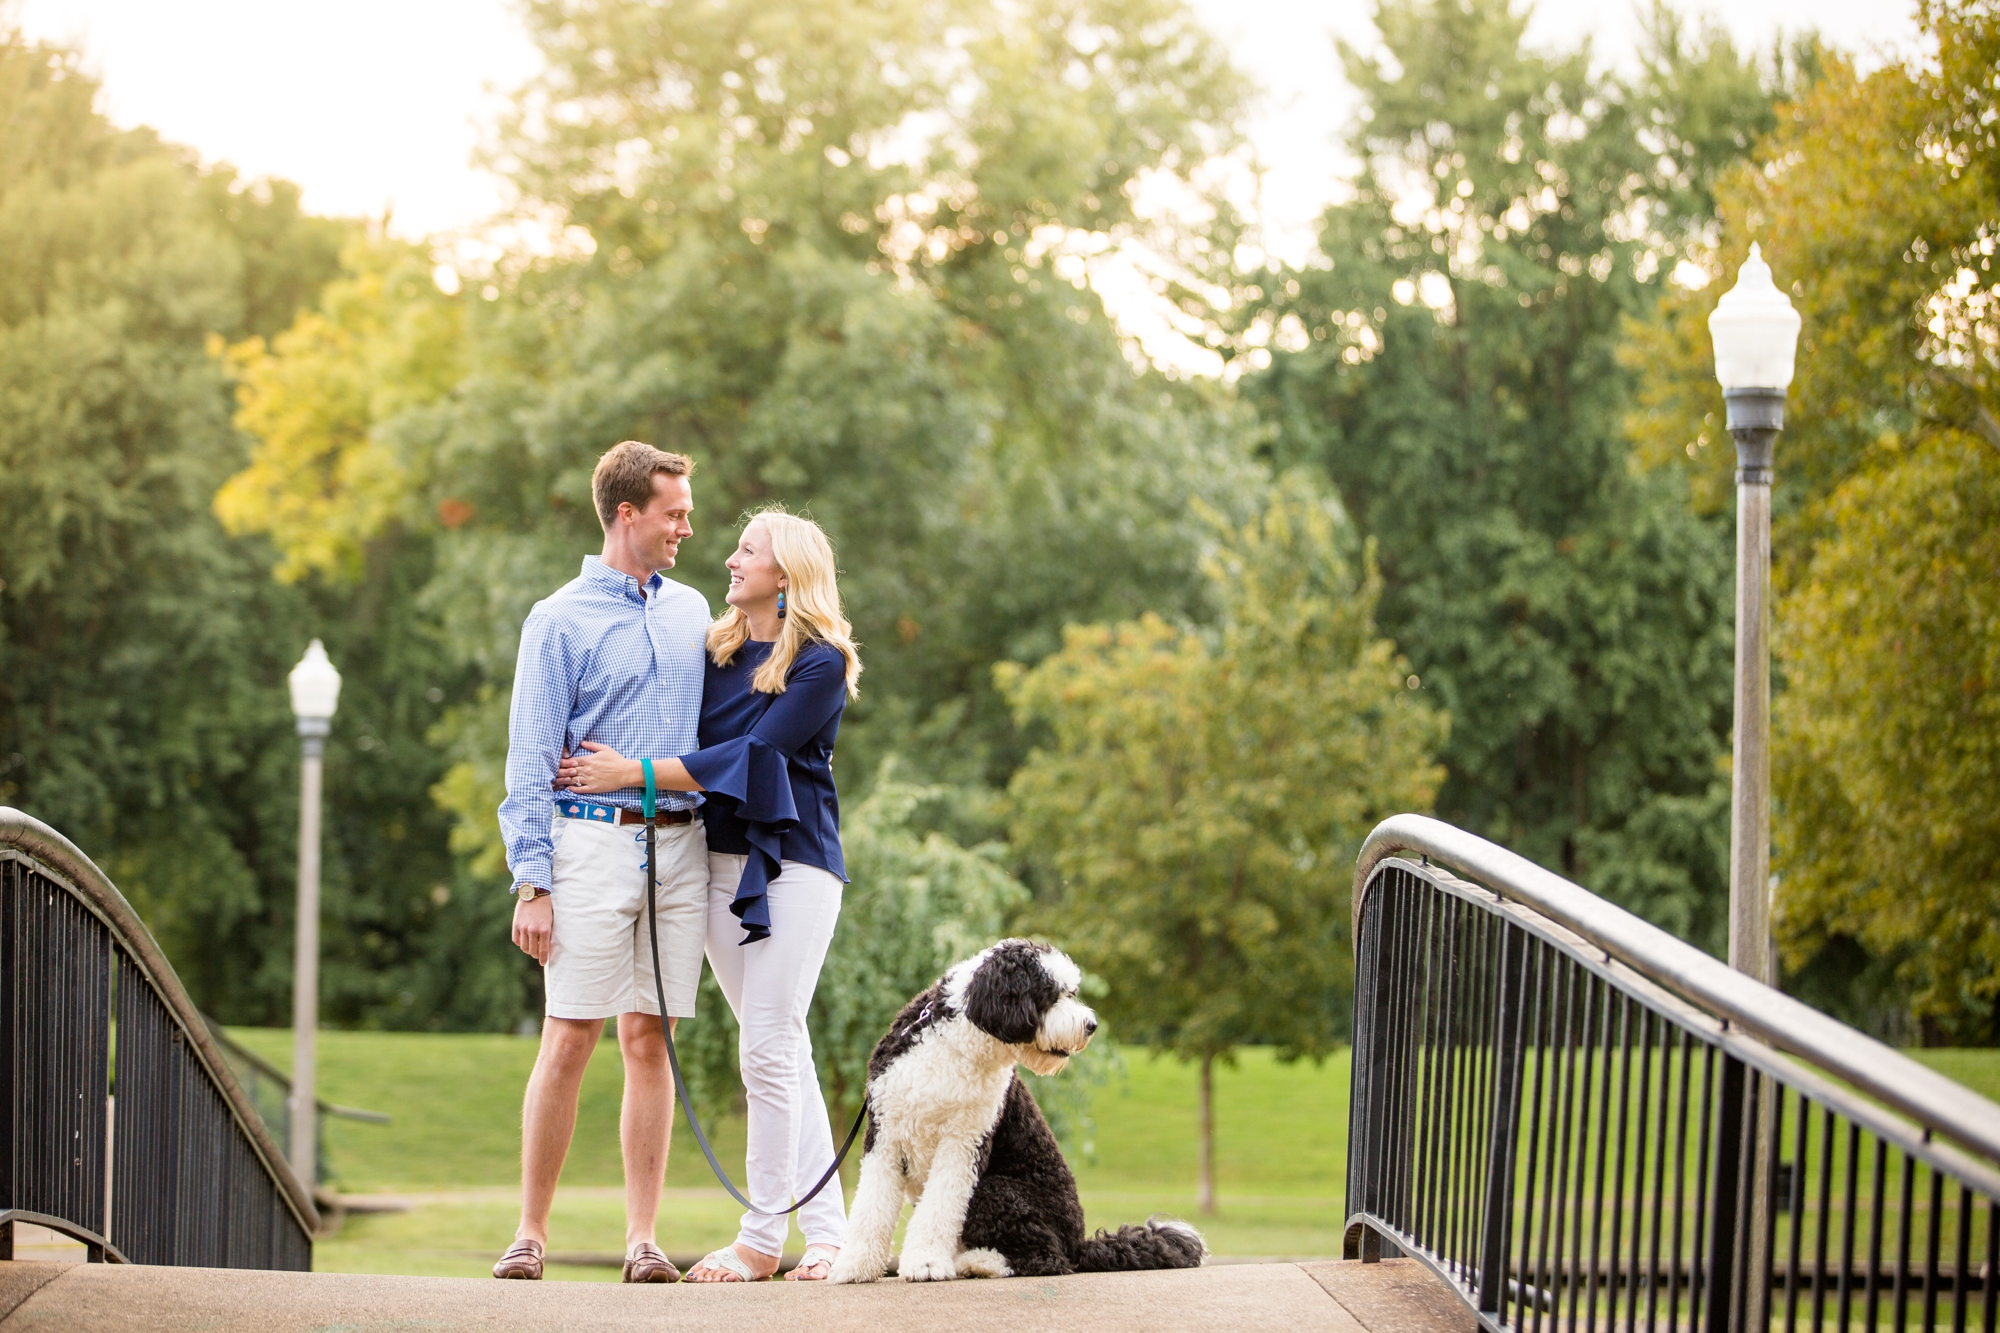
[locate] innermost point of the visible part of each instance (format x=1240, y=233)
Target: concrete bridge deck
x=1396, y=1296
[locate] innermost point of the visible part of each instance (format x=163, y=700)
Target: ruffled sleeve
x=754, y=774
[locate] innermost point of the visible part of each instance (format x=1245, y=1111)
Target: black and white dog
x=952, y=1127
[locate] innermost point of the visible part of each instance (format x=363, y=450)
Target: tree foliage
x=1452, y=365
x=1889, y=735
x=1878, y=202
x=1200, y=797
x=143, y=647
x=136, y=641
x=835, y=253
x=321, y=480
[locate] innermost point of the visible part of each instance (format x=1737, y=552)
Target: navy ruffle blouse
x=766, y=770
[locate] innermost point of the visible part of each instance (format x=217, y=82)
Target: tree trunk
x=1205, y=1152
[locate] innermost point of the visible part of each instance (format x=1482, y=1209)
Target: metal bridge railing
x=1581, y=1122
x=121, y=1124
x=270, y=1092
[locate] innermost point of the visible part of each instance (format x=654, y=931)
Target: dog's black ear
x=1006, y=998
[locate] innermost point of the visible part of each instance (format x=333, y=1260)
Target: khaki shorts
x=601, y=961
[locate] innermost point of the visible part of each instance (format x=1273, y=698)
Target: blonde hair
x=812, y=605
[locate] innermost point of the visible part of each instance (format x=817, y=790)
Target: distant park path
x=1397, y=1296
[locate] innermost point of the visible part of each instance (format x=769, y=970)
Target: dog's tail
x=1164, y=1242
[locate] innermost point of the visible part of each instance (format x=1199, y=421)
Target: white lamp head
x=315, y=684
x=1755, y=330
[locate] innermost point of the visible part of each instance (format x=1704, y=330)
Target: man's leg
x=548, y=1116
x=646, y=1114
x=645, y=1121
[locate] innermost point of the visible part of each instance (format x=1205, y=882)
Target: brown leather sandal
x=522, y=1260
x=647, y=1264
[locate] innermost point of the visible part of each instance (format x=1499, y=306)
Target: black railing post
x=1367, y=1077
x=10, y=1023
x=1499, y=1197
x=1722, y=1201
x=1379, y=1101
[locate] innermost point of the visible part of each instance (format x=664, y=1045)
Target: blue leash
x=673, y=1056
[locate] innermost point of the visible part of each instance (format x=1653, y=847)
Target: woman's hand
x=602, y=769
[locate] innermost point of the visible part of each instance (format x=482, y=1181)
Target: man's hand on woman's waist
x=603, y=769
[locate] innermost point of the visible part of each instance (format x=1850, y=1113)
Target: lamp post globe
x=315, y=690
x=315, y=686
x=1755, y=331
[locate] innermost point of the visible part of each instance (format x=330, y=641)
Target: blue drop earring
x=781, y=603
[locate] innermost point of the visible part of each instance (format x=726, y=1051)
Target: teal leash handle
x=673, y=1056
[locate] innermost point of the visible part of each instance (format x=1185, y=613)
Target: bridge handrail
x=1930, y=1099
x=1711, y=1129
x=95, y=890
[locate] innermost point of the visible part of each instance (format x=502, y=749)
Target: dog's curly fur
x=952, y=1126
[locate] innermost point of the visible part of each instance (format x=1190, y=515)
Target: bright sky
x=377, y=104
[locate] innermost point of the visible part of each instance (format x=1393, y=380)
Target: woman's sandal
x=646, y=1263
x=816, y=1256
x=725, y=1260
x=522, y=1260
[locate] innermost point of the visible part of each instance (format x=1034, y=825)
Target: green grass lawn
x=1281, y=1149
x=1976, y=1069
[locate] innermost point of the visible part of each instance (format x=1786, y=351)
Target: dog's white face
x=1024, y=994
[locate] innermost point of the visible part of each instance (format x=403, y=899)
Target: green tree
x=1451, y=364
x=1201, y=796
x=1878, y=202
x=143, y=645
x=321, y=479
x=1889, y=729
x=142, y=651
x=834, y=251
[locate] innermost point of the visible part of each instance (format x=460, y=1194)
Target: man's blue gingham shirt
x=599, y=662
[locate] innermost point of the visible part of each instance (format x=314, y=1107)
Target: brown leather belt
x=663, y=817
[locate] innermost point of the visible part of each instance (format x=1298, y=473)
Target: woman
x=781, y=667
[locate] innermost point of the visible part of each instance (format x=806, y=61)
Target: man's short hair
x=625, y=476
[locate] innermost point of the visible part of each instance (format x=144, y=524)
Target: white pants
x=769, y=986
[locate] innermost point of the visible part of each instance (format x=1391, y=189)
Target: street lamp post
x=315, y=694
x=1756, y=333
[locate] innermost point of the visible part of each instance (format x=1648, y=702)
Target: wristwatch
x=527, y=893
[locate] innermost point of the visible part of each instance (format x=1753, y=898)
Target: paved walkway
x=1398, y=1296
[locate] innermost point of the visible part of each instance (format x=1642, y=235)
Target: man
x=615, y=655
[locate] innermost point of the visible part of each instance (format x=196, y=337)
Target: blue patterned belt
x=573, y=808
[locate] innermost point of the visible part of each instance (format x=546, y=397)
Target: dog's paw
x=927, y=1267
x=856, y=1269
x=983, y=1263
